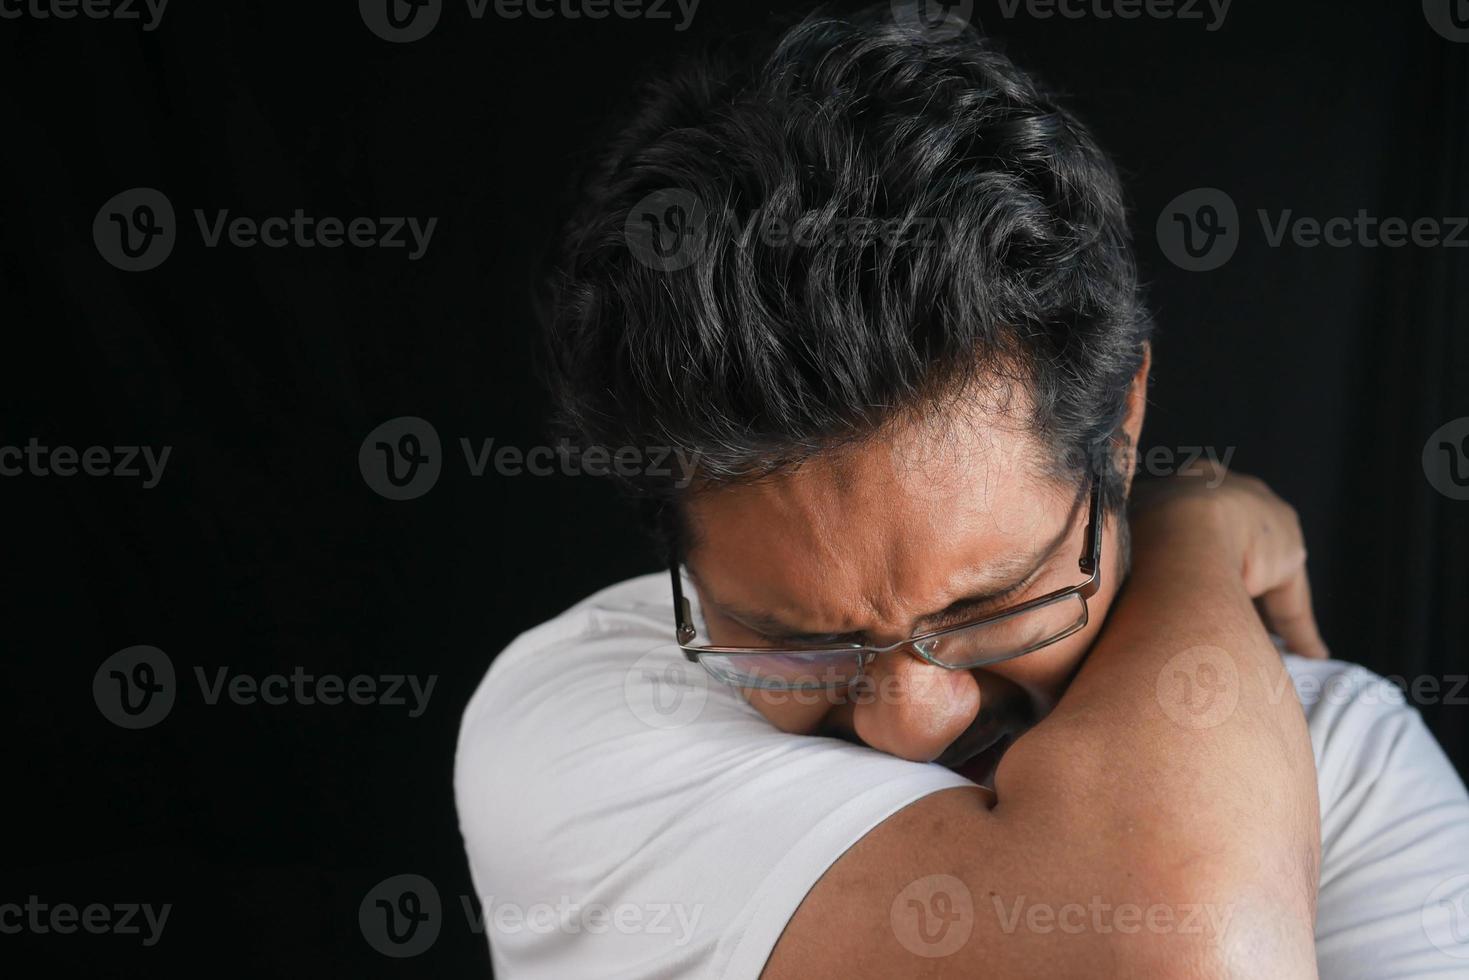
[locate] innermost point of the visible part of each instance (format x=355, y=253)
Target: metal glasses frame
x=1090, y=565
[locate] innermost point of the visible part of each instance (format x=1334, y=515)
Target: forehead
x=894, y=526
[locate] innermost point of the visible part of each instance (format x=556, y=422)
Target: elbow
x=1219, y=934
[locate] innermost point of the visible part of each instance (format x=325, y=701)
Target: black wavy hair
x=780, y=252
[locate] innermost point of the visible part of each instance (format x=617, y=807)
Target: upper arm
x=599, y=774
x=603, y=781
x=945, y=888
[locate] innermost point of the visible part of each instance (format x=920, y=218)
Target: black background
x=263, y=549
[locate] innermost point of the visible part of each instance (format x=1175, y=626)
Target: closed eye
x=968, y=610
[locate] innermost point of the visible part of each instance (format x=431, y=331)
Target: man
x=893, y=713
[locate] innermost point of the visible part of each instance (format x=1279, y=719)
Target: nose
x=912, y=709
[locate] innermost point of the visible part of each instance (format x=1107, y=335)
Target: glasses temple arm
x=683, y=615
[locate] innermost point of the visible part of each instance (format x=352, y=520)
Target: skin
x=1107, y=796
x=933, y=535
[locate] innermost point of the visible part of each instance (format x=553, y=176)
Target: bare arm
x=1142, y=830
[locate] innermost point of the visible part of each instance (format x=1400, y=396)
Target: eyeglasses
x=992, y=639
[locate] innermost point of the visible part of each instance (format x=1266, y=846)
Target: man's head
x=880, y=286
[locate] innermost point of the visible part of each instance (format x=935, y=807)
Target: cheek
x=1045, y=673
x=795, y=712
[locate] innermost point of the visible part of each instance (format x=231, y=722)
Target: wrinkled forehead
x=910, y=516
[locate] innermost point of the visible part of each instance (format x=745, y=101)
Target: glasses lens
x=785, y=671
x=1009, y=636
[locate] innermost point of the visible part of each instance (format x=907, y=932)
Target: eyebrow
x=772, y=627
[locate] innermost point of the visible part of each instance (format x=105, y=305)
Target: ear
x=1132, y=421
